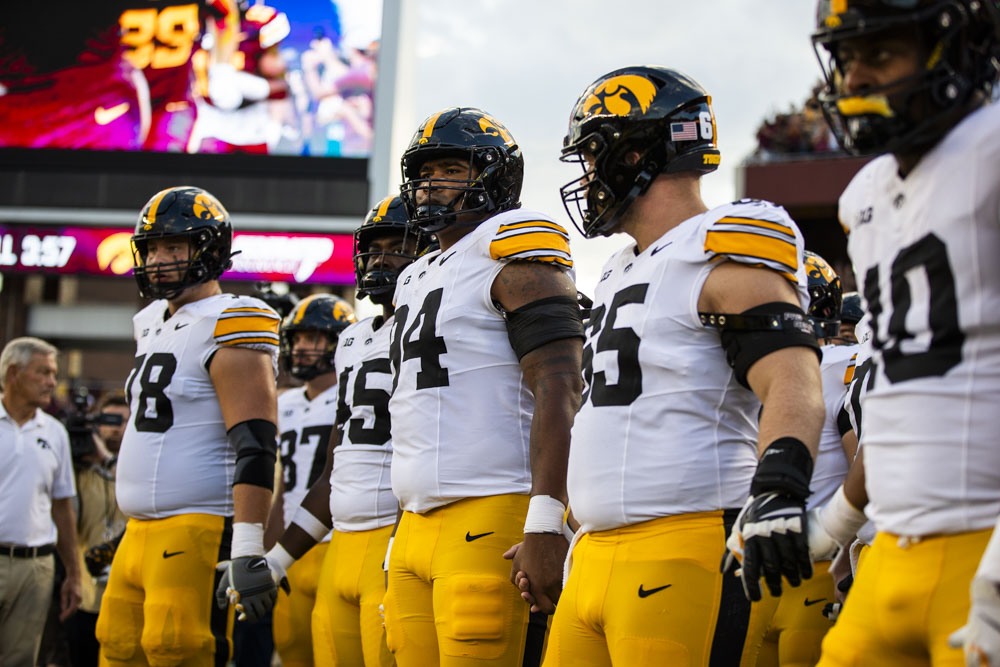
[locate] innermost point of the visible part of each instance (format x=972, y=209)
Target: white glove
x=980, y=636
x=278, y=561
x=832, y=526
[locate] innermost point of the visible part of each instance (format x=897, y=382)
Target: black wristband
x=786, y=467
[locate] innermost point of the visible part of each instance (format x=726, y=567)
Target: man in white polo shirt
x=36, y=489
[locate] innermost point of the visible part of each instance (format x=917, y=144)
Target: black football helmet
x=472, y=135
x=660, y=114
x=826, y=297
x=960, y=42
x=851, y=312
x=198, y=217
x=388, y=217
x=325, y=313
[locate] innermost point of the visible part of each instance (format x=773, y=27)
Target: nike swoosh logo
x=168, y=554
x=470, y=538
x=445, y=259
x=180, y=326
x=104, y=116
x=659, y=248
x=647, y=593
x=810, y=603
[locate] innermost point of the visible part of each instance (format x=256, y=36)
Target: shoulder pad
x=533, y=239
x=756, y=235
x=247, y=322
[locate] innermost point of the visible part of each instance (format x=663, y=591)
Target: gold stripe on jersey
x=779, y=254
x=232, y=325
x=754, y=222
x=849, y=372
x=539, y=241
x=247, y=325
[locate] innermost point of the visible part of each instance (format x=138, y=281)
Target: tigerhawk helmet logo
x=816, y=268
x=620, y=95
x=342, y=313
x=205, y=208
x=493, y=128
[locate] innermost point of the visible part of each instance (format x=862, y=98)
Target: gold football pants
x=650, y=594
x=787, y=631
x=908, y=596
x=159, y=607
x=346, y=624
x=291, y=622
x=450, y=600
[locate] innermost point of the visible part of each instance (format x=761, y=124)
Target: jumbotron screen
x=271, y=77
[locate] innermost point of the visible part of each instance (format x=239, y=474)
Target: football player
x=196, y=465
x=353, y=493
x=486, y=355
x=850, y=314
x=234, y=115
x=788, y=630
x=306, y=419
x=694, y=326
x=161, y=38
x=910, y=81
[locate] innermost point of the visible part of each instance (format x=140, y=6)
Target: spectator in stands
x=36, y=491
x=100, y=521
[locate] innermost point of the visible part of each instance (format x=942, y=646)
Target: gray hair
x=19, y=351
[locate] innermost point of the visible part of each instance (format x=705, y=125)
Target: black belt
x=26, y=552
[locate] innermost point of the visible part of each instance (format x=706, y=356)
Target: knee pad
x=475, y=615
x=171, y=636
x=119, y=628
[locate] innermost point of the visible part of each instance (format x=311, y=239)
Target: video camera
x=81, y=425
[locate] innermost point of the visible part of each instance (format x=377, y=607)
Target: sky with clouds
x=526, y=62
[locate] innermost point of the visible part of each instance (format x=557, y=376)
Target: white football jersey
x=304, y=429
x=861, y=378
x=925, y=253
x=665, y=428
x=461, y=412
x=175, y=458
x=361, y=487
x=837, y=369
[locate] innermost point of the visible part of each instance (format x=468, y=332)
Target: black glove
x=772, y=525
x=98, y=557
x=247, y=583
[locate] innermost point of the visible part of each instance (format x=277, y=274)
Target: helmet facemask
x=201, y=265
x=375, y=278
x=473, y=200
x=307, y=365
x=612, y=178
